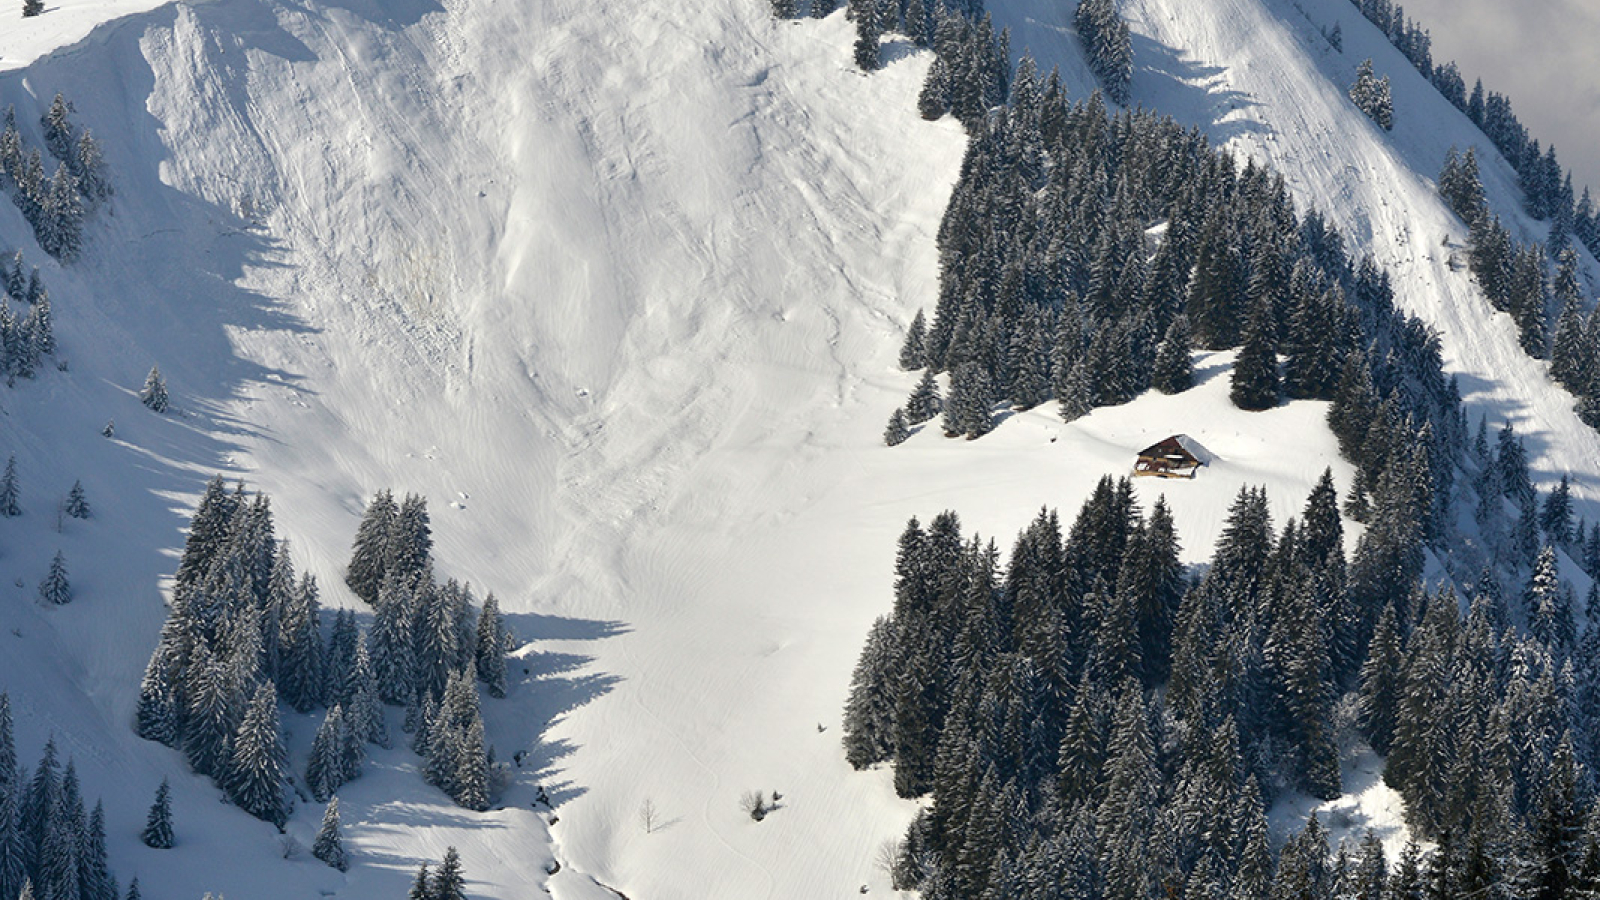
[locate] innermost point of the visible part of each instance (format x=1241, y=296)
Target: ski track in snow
x=621, y=291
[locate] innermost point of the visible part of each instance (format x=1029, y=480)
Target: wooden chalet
x=1178, y=456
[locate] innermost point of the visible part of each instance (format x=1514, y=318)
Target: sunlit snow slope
x=619, y=287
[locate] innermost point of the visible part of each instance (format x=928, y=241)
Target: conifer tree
x=472, y=777
x=55, y=589
x=1132, y=783
x=13, y=848
x=1371, y=95
x=913, y=354
x=9, y=490
x=94, y=873
x=867, y=53
x=57, y=861
x=421, y=886
x=934, y=99
x=158, y=825
x=897, y=431
x=1549, y=604
x=329, y=845
x=1173, y=372
x=301, y=672
x=392, y=659
x=969, y=410
x=869, y=712
x=924, y=402
x=77, y=505
x=449, y=883
x=326, y=771
x=154, y=392
x=1382, y=682
x=31, y=8
x=255, y=777
x=490, y=650
x=365, y=713
x=1255, y=370
x=369, y=555
x=158, y=712
x=409, y=551
x=1556, y=517
x=133, y=890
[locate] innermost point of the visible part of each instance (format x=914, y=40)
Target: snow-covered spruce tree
x=368, y=558
x=77, y=505
x=88, y=164
x=924, y=402
x=867, y=53
x=1107, y=44
x=213, y=713
x=9, y=491
x=57, y=129
x=448, y=882
x=969, y=410
x=60, y=228
x=1255, y=370
x=154, y=392
x=31, y=8
x=1371, y=95
x=55, y=589
x=255, y=777
x=301, y=671
x=493, y=641
x=341, y=657
x=422, y=885
x=325, y=773
x=409, y=550
x=472, y=778
x=13, y=848
x=913, y=354
x=1173, y=372
x=94, y=870
x=869, y=713
x=365, y=712
x=329, y=845
x=158, y=825
x=896, y=432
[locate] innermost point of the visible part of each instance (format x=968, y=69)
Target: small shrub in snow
x=754, y=804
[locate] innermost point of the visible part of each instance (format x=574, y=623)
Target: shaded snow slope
x=619, y=288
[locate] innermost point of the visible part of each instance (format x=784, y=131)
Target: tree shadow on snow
x=542, y=686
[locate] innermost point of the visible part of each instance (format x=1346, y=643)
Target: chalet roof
x=1180, y=447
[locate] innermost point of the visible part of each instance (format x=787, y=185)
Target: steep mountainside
x=618, y=287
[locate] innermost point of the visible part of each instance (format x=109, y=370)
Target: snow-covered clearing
x=619, y=288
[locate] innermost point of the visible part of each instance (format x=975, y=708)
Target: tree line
x=1094, y=719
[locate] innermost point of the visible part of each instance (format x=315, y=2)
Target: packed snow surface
x=619, y=287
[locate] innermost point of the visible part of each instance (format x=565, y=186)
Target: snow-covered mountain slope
x=619, y=288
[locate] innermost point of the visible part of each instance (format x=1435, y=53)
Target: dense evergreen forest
x=1092, y=718
x=243, y=633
